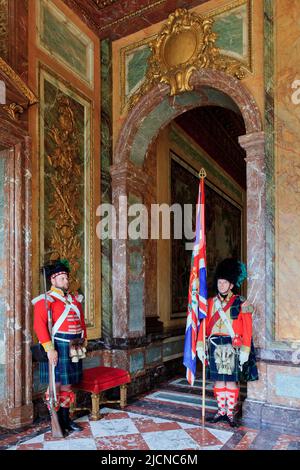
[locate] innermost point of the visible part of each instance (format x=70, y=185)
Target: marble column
x=18, y=409
x=128, y=186
x=256, y=231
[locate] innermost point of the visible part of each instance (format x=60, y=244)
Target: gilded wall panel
x=67, y=184
x=4, y=29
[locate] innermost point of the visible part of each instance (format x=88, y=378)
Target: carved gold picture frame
x=68, y=190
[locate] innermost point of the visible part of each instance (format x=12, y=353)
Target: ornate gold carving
x=18, y=82
x=13, y=110
x=65, y=179
x=4, y=28
x=186, y=43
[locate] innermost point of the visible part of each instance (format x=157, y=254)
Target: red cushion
x=97, y=379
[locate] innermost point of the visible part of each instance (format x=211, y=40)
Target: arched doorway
x=131, y=178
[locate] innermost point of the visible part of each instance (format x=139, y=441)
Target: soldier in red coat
x=68, y=325
x=230, y=352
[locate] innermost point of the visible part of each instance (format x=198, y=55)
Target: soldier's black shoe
x=216, y=418
x=68, y=423
x=62, y=422
x=232, y=421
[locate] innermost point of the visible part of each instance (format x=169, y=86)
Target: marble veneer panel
x=153, y=354
x=137, y=362
x=173, y=348
x=136, y=67
x=106, y=196
x=2, y=279
x=65, y=41
x=136, y=274
x=270, y=162
x=287, y=166
x=232, y=30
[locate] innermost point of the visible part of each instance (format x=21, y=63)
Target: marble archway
x=130, y=177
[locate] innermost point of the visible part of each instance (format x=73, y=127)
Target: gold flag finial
x=202, y=173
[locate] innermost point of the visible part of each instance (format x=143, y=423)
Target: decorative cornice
x=12, y=76
x=132, y=15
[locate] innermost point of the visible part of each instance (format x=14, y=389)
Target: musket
x=52, y=401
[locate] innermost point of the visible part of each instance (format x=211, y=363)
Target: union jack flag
x=197, y=297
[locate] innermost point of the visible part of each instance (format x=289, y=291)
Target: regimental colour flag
x=197, y=296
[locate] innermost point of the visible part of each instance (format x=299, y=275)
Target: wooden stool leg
x=95, y=416
x=123, y=395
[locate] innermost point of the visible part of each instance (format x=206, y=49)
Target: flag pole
x=202, y=175
x=203, y=375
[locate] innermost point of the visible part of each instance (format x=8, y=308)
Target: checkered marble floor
x=167, y=418
x=119, y=430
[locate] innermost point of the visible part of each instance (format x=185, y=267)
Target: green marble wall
x=153, y=354
x=173, y=348
x=269, y=126
x=136, y=66
x=136, y=362
x=232, y=31
x=62, y=39
x=2, y=280
x=136, y=284
x=106, y=196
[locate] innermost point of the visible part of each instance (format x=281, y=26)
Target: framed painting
x=223, y=231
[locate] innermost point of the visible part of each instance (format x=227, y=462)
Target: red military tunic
x=242, y=325
x=57, y=301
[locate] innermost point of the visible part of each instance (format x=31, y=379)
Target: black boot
x=216, y=418
x=232, y=421
x=62, y=421
x=68, y=423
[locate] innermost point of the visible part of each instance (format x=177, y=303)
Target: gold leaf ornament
x=186, y=43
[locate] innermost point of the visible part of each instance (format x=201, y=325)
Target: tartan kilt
x=66, y=371
x=212, y=370
x=248, y=373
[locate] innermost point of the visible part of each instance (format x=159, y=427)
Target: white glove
x=243, y=358
x=201, y=355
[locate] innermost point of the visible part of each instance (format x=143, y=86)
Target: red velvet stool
x=99, y=379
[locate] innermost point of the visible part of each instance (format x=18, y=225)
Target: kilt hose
x=249, y=370
x=66, y=371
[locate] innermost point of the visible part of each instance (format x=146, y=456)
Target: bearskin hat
x=231, y=269
x=60, y=266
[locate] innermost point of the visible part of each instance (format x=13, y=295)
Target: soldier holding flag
x=230, y=347
x=222, y=323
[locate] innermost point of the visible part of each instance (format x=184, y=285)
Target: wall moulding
x=22, y=92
